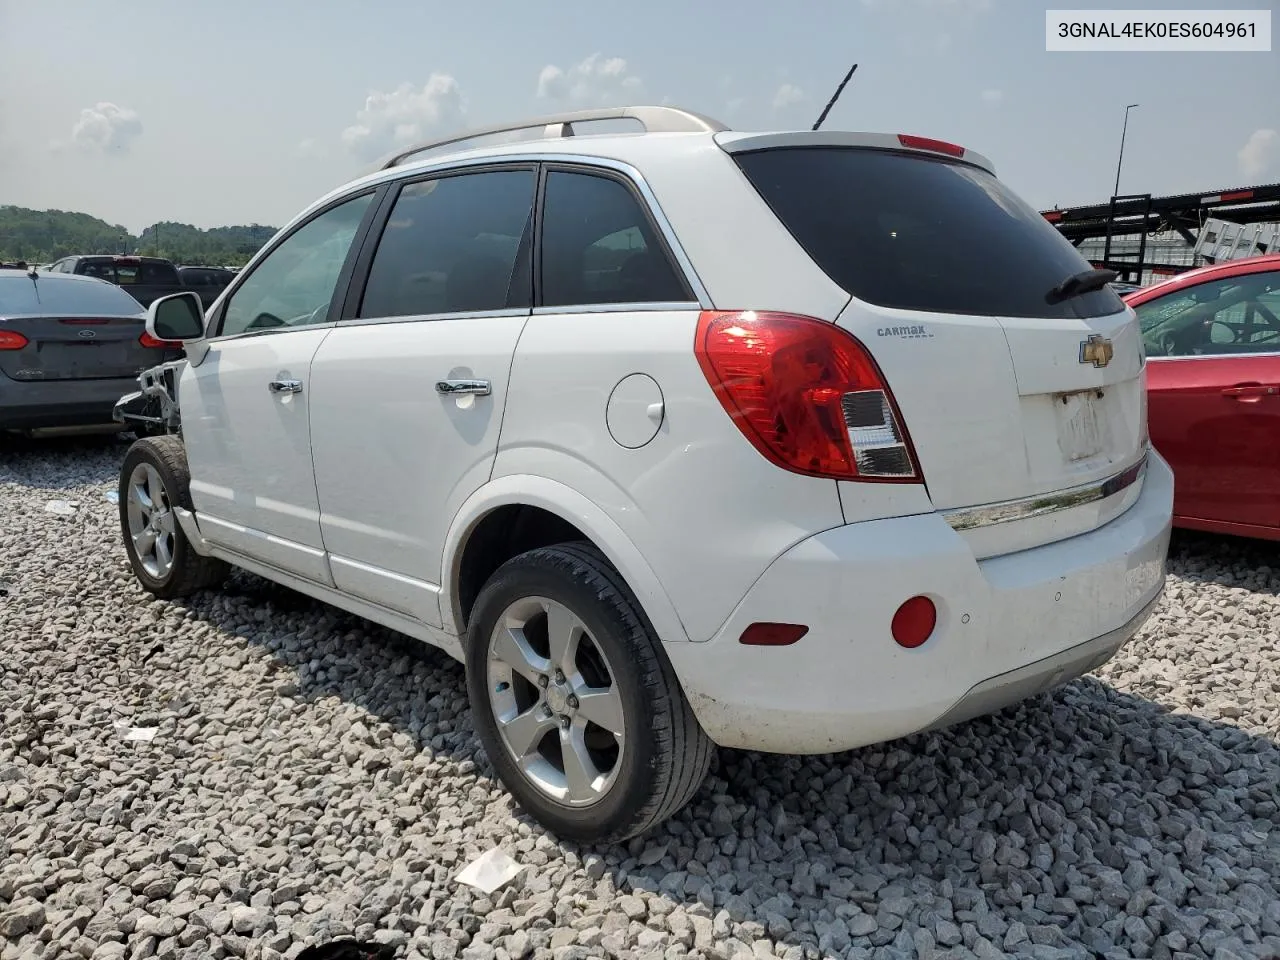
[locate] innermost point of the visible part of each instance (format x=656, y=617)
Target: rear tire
x=536, y=700
x=153, y=480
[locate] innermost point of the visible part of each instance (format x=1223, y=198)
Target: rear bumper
x=60, y=403
x=1008, y=627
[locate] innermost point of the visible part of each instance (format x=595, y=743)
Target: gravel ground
x=314, y=777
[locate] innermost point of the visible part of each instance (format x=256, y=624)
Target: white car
x=790, y=442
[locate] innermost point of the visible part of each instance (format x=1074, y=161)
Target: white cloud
x=1260, y=152
x=311, y=149
x=596, y=81
x=992, y=96
x=404, y=116
x=787, y=95
x=105, y=127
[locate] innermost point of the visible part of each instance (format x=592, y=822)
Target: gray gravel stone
x=314, y=776
x=22, y=916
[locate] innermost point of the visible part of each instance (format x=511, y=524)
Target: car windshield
x=54, y=295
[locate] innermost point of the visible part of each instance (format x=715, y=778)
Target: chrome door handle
x=479, y=388
x=285, y=386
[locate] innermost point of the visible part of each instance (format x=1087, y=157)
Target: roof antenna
x=835, y=96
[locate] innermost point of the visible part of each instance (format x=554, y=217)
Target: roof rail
x=653, y=119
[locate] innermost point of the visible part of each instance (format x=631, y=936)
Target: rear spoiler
x=732, y=142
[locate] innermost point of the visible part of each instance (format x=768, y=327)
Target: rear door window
x=600, y=247
x=917, y=233
x=452, y=244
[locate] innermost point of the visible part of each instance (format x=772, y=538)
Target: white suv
x=790, y=442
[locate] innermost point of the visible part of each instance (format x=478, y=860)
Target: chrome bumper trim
x=967, y=518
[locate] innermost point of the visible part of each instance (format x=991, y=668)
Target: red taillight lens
x=85, y=321
x=933, y=146
x=772, y=634
x=914, y=622
x=12, y=340
x=147, y=340
x=806, y=394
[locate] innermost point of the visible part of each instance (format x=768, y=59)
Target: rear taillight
x=12, y=340
x=147, y=340
x=806, y=394
x=930, y=144
x=85, y=321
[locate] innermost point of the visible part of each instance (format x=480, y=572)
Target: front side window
x=453, y=245
x=294, y=285
x=599, y=246
x=1238, y=314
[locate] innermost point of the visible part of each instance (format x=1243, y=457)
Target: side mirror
x=179, y=316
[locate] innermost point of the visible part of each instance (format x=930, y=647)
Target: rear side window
x=916, y=233
x=599, y=247
x=453, y=245
x=55, y=297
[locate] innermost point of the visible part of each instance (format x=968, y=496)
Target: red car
x=1212, y=338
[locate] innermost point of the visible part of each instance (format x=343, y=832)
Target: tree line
x=41, y=236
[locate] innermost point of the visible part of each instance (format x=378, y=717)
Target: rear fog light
x=914, y=622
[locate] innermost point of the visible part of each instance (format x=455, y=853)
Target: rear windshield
x=160, y=274
x=916, y=233
x=63, y=297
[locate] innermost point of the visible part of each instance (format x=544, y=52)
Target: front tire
x=574, y=701
x=153, y=481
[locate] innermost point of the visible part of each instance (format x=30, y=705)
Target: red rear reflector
x=1236, y=195
x=914, y=622
x=772, y=634
x=806, y=394
x=1053, y=216
x=147, y=340
x=85, y=321
x=928, y=143
x=12, y=340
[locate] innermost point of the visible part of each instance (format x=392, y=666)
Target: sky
x=244, y=112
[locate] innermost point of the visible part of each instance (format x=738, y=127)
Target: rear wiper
x=1086, y=281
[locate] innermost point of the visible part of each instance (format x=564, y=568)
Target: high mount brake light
x=933, y=146
x=12, y=340
x=806, y=394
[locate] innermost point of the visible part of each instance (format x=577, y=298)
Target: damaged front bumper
x=155, y=406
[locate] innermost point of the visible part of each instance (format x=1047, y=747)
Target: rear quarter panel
x=704, y=508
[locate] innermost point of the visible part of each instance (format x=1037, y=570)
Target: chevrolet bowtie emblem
x=1097, y=350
